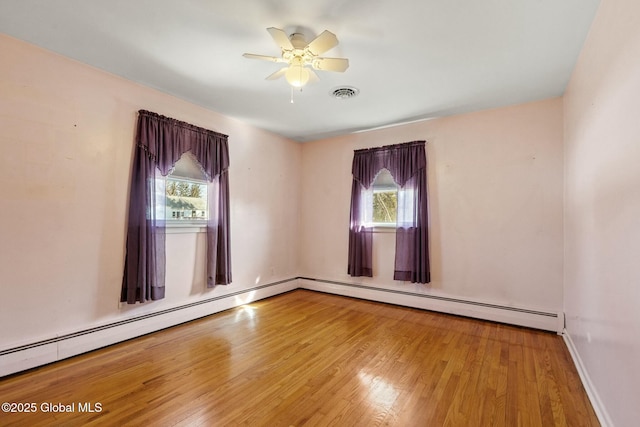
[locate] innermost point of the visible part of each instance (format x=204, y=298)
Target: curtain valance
x=401, y=160
x=166, y=139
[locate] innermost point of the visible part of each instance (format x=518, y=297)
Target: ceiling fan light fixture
x=297, y=76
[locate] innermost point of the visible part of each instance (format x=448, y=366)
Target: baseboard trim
x=20, y=358
x=520, y=316
x=594, y=397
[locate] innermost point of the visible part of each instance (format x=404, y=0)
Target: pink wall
x=66, y=145
x=495, y=180
x=495, y=192
x=602, y=213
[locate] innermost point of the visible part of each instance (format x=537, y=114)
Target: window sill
x=384, y=229
x=182, y=227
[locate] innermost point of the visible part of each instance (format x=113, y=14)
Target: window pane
x=385, y=198
x=186, y=199
x=385, y=206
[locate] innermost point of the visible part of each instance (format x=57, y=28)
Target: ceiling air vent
x=345, y=92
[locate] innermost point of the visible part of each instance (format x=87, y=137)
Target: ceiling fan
x=300, y=55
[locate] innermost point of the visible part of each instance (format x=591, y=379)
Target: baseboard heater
x=520, y=316
x=50, y=350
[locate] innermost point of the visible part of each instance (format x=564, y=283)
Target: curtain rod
x=181, y=123
x=390, y=147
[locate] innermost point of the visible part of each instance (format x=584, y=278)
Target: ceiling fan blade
x=264, y=57
x=323, y=43
x=313, y=77
x=277, y=74
x=281, y=38
x=330, y=64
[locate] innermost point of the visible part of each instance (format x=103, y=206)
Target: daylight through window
x=384, y=200
x=182, y=195
x=186, y=199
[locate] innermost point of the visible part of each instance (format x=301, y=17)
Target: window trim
x=179, y=227
x=379, y=227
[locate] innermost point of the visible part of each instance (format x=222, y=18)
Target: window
x=186, y=199
x=385, y=200
x=185, y=190
x=406, y=195
x=159, y=145
x=381, y=202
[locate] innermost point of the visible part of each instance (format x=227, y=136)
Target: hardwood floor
x=306, y=358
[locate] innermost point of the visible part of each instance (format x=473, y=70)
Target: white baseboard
x=43, y=352
x=598, y=407
x=520, y=316
x=40, y=353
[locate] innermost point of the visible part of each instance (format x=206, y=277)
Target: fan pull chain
x=292, y=89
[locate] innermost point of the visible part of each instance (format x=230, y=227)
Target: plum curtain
x=160, y=141
x=407, y=163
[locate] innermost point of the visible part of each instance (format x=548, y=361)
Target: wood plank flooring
x=307, y=358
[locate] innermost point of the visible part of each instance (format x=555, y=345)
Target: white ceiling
x=410, y=59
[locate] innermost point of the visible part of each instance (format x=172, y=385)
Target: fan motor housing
x=298, y=41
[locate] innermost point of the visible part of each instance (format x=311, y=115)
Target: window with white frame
x=381, y=201
x=185, y=193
